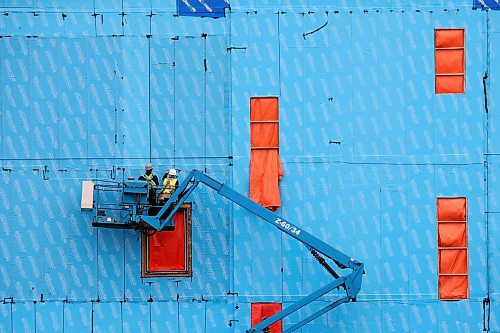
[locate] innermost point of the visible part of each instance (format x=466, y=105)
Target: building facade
x=367, y=141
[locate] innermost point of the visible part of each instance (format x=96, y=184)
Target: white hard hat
x=172, y=172
x=149, y=166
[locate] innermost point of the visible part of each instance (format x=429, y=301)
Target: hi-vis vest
x=169, y=184
x=150, y=179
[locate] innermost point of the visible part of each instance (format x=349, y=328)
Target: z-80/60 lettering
x=287, y=226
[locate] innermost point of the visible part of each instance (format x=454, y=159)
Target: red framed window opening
x=265, y=164
x=168, y=253
x=261, y=311
x=453, y=268
x=449, y=61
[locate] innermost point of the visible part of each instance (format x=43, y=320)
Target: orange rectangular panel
x=449, y=38
x=452, y=254
x=451, y=209
x=449, y=61
x=265, y=165
x=261, y=311
x=265, y=172
x=453, y=287
x=452, y=234
x=167, y=249
x=264, y=134
x=264, y=108
x=452, y=261
x=450, y=84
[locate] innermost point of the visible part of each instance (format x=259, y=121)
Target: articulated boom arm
x=351, y=282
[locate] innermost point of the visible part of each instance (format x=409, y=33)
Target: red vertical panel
x=453, y=267
x=265, y=164
x=451, y=209
x=264, y=108
x=450, y=84
x=265, y=172
x=449, y=38
x=261, y=311
x=167, y=249
x=264, y=135
x=452, y=261
x=449, y=59
x=453, y=287
x=452, y=234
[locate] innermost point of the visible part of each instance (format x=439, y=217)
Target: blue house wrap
x=98, y=89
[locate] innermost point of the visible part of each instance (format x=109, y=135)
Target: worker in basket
x=153, y=182
x=170, y=184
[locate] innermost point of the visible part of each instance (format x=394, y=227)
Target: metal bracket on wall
x=202, y=299
x=45, y=171
x=8, y=300
x=486, y=314
x=229, y=49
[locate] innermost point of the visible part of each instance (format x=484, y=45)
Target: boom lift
x=133, y=202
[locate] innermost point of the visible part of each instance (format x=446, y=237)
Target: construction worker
x=153, y=183
x=170, y=184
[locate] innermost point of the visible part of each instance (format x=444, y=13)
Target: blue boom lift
x=134, y=204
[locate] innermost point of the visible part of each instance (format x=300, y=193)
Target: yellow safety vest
x=150, y=179
x=169, y=185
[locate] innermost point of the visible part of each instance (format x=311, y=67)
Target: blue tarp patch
x=202, y=8
x=487, y=4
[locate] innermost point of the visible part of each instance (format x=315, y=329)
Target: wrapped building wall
x=366, y=145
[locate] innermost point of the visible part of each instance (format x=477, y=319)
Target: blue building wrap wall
x=98, y=89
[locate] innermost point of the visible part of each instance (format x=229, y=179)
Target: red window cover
x=452, y=248
x=451, y=209
x=453, y=287
x=261, y=311
x=449, y=38
x=453, y=261
x=452, y=235
x=167, y=249
x=265, y=164
x=449, y=60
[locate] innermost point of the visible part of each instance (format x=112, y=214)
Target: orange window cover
x=450, y=84
x=261, y=311
x=452, y=235
x=453, y=287
x=167, y=249
x=265, y=164
x=453, y=261
x=449, y=60
x=451, y=209
x=449, y=38
x=452, y=248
